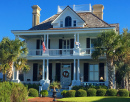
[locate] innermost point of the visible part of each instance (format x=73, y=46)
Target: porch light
x=101, y=78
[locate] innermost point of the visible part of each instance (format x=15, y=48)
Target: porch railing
x=61, y=52
x=92, y=83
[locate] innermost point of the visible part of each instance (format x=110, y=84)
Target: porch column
x=74, y=70
x=44, y=39
x=17, y=75
x=78, y=70
x=78, y=37
x=47, y=40
x=47, y=70
x=74, y=40
x=13, y=73
x=43, y=70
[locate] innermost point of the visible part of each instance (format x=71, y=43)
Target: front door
x=65, y=75
x=66, y=47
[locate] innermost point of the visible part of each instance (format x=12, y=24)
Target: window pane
x=91, y=76
x=91, y=68
x=68, y=21
x=96, y=76
x=96, y=67
x=92, y=42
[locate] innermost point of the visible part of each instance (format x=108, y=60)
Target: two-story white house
x=68, y=37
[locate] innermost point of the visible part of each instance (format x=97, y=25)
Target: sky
x=17, y=14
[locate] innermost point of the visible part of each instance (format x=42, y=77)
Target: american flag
x=43, y=47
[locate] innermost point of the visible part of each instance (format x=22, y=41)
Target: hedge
x=71, y=93
x=44, y=93
x=123, y=92
x=111, y=92
x=81, y=93
x=63, y=93
x=91, y=92
x=33, y=92
x=13, y=92
x=101, y=92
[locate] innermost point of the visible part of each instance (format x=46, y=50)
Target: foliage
x=101, y=92
x=77, y=87
x=35, y=86
x=109, y=44
x=11, y=51
x=55, y=85
x=101, y=87
x=81, y=93
x=33, y=92
x=71, y=93
x=91, y=92
x=63, y=93
x=111, y=92
x=123, y=92
x=44, y=93
x=13, y=92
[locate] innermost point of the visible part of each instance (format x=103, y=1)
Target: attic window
x=74, y=23
x=61, y=23
x=68, y=21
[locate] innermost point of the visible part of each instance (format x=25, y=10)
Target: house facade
x=68, y=37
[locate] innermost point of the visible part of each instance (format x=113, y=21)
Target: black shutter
x=35, y=66
x=21, y=77
x=49, y=44
x=58, y=67
x=88, y=43
x=101, y=71
x=60, y=45
x=50, y=72
x=38, y=47
x=72, y=70
x=86, y=72
x=71, y=45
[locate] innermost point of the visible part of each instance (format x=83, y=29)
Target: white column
x=106, y=75
x=47, y=40
x=13, y=73
x=74, y=70
x=44, y=39
x=43, y=70
x=74, y=40
x=47, y=70
x=78, y=70
x=17, y=75
x=78, y=37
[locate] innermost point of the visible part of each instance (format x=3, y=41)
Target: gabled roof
x=68, y=7
x=91, y=21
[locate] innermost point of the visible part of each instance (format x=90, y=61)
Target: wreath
x=65, y=74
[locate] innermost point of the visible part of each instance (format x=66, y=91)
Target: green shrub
x=71, y=93
x=63, y=93
x=35, y=86
x=91, y=92
x=111, y=92
x=123, y=92
x=101, y=92
x=101, y=87
x=44, y=93
x=33, y=92
x=77, y=87
x=81, y=93
x=129, y=93
x=13, y=92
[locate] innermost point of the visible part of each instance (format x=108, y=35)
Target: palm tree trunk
x=10, y=71
x=110, y=72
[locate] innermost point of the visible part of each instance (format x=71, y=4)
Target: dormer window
x=68, y=21
x=74, y=23
x=61, y=23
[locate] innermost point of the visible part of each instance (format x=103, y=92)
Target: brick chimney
x=98, y=10
x=35, y=15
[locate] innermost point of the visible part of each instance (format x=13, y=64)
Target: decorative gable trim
x=53, y=22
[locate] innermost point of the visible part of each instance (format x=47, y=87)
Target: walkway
x=41, y=99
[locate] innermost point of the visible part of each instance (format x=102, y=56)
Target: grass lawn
x=97, y=99
x=30, y=97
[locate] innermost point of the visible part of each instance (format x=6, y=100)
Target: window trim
x=61, y=23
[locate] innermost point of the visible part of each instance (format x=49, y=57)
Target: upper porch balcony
x=61, y=52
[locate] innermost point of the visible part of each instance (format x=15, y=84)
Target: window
x=74, y=23
x=93, y=72
x=61, y=23
x=68, y=21
x=92, y=45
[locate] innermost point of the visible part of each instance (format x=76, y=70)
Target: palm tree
x=10, y=52
x=109, y=44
